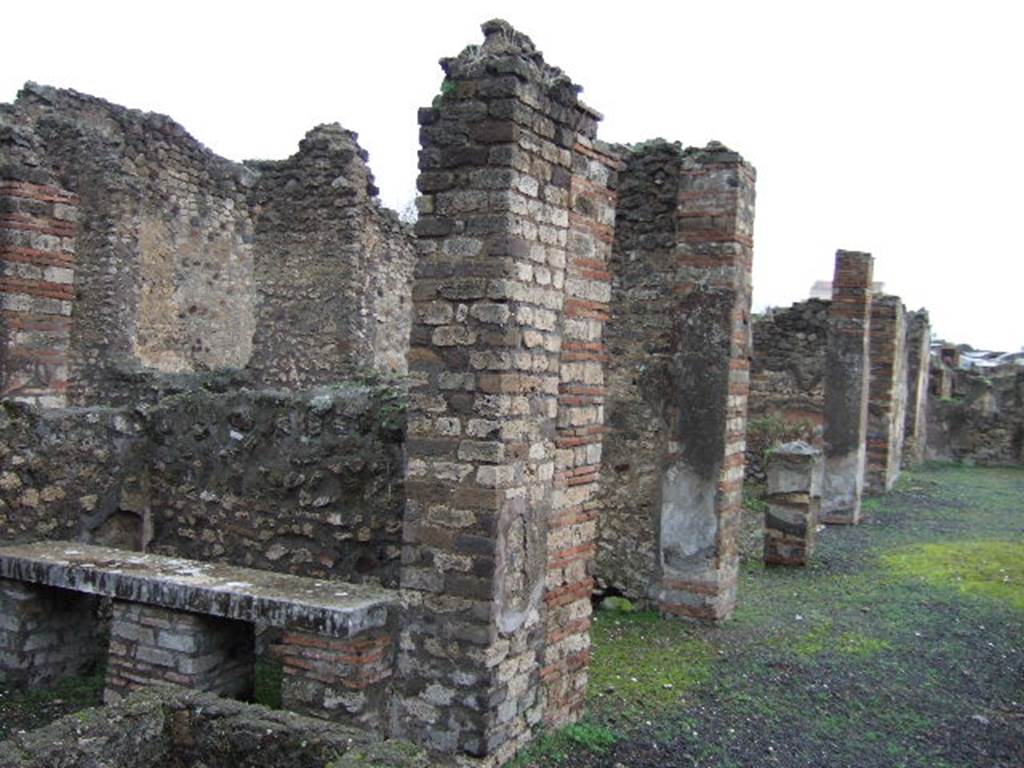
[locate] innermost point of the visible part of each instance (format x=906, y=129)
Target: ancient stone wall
x=186, y=262
x=679, y=349
x=887, y=398
x=919, y=341
x=787, y=368
x=307, y=483
x=333, y=268
x=170, y=727
x=983, y=425
x=37, y=263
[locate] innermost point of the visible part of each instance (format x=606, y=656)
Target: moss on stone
x=986, y=568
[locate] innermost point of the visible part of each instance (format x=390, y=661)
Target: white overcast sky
x=890, y=127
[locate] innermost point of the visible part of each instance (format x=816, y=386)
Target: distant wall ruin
x=787, y=369
x=186, y=262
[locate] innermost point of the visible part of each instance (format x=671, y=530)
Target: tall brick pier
x=503, y=435
x=919, y=342
x=887, y=394
x=678, y=378
x=846, y=387
x=701, y=490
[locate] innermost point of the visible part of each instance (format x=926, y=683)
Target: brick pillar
x=149, y=644
x=846, y=387
x=37, y=247
x=887, y=393
x=795, y=473
x=45, y=633
x=496, y=169
x=701, y=487
x=919, y=343
x=573, y=525
x=340, y=679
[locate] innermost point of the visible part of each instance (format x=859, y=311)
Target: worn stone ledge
x=332, y=608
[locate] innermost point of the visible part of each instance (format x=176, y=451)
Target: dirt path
x=902, y=645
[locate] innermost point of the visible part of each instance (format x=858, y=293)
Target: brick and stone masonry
x=795, y=472
x=46, y=633
x=572, y=528
x=639, y=341
x=37, y=270
x=149, y=643
x=679, y=344
x=919, y=342
x=887, y=394
x=702, y=485
x=846, y=387
x=338, y=678
x=484, y=362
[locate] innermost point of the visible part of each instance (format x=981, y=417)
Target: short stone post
x=149, y=644
x=45, y=633
x=846, y=387
x=37, y=270
x=795, y=472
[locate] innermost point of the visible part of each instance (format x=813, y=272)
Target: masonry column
x=573, y=527
x=919, y=343
x=846, y=387
x=702, y=483
x=496, y=169
x=37, y=245
x=887, y=393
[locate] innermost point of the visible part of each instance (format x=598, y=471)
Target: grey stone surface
x=169, y=727
x=330, y=608
x=303, y=482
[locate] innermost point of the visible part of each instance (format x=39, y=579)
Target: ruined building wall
x=887, y=398
x=38, y=223
x=187, y=262
x=919, y=342
x=333, y=268
x=984, y=424
x=163, y=252
x=307, y=483
x=787, y=368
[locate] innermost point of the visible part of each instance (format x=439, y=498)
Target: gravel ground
x=901, y=645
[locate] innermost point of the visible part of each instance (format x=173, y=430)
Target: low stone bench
x=193, y=624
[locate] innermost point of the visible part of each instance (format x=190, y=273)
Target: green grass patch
x=553, y=747
x=267, y=677
x=32, y=707
x=991, y=569
x=644, y=663
x=824, y=638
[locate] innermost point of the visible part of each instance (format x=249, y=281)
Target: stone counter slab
x=335, y=609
